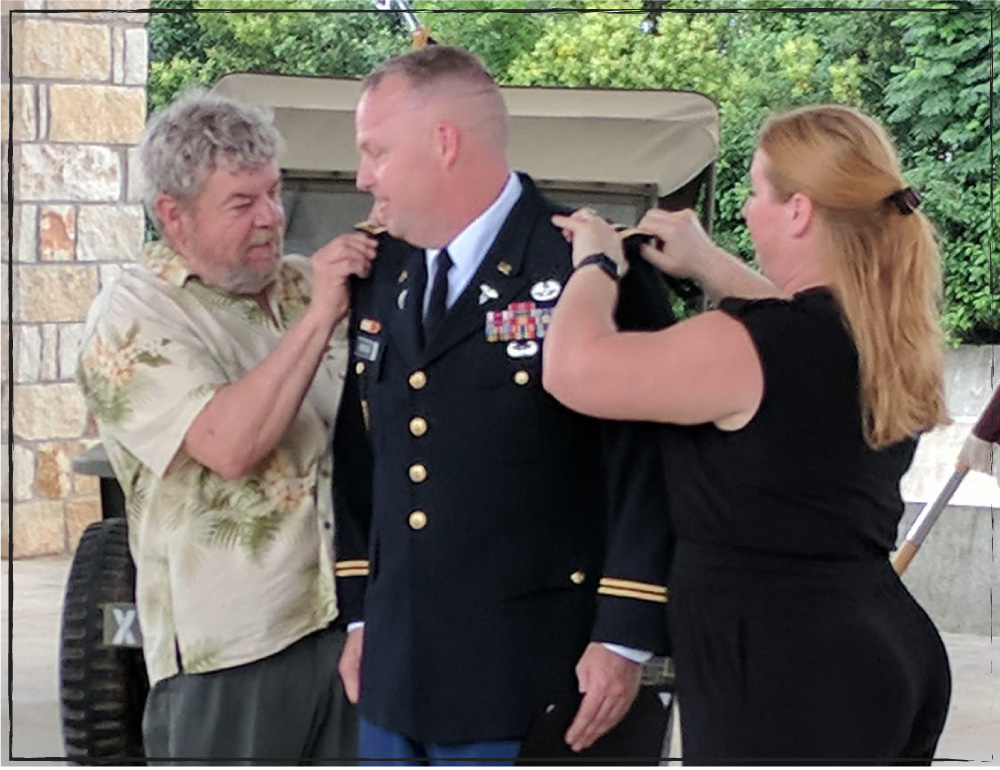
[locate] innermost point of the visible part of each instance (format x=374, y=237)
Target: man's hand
x=609, y=683
x=350, y=664
x=333, y=264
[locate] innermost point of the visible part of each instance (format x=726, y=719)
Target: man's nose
x=363, y=181
x=269, y=213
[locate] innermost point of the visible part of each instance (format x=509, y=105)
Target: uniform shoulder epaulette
x=369, y=227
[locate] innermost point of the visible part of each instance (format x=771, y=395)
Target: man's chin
x=249, y=283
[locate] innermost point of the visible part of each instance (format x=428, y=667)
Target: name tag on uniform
x=367, y=348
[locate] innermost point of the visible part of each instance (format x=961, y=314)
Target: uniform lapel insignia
x=401, y=299
x=370, y=326
x=504, y=268
x=486, y=293
x=402, y=276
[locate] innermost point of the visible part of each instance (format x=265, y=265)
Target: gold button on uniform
x=417, y=380
x=359, y=367
x=417, y=473
x=578, y=577
x=521, y=377
x=418, y=520
x=418, y=426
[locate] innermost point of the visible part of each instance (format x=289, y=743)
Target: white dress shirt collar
x=468, y=249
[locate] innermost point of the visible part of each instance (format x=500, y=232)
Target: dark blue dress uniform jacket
x=485, y=533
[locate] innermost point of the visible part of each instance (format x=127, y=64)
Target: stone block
x=135, y=179
x=54, y=468
x=85, y=484
x=110, y=233
x=24, y=473
x=117, y=55
x=39, y=529
x=53, y=293
x=57, y=233
x=27, y=353
x=80, y=514
x=63, y=172
x=136, y=56
x=50, y=353
x=62, y=50
x=47, y=412
x=25, y=219
x=69, y=349
x=22, y=107
x=96, y=113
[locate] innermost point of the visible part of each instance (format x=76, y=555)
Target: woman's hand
x=686, y=246
x=590, y=234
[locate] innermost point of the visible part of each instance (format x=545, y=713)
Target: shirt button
x=521, y=377
x=417, y=380
x=418, y=426
x=418, y=520
x=359, y=367
x=578, y=577
x=327, y=525
x=418, y=473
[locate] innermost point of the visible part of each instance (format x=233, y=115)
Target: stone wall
x=77, y=92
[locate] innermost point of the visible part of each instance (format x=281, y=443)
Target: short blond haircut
x=884, y=258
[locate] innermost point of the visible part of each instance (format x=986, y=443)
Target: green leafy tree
x=938, y=103
x=194, y=42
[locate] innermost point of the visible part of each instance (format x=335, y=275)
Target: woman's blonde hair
x=883, y=254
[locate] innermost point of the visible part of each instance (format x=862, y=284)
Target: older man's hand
x=333, y=264
x=609, y=684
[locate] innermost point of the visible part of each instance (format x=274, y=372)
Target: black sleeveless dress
x=793, y=637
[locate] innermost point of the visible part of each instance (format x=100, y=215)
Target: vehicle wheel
x=102, y=688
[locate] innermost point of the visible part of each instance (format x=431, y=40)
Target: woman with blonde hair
x=794, y=412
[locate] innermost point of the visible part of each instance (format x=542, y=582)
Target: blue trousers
x=383, y=747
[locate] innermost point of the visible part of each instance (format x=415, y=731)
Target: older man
x=214, y=369
x=477, y=563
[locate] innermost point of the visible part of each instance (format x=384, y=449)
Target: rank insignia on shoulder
x=519, y=321
x=522, y=349
x=367, y=348
x=369, y=227
x=370, y=326
x=487, y=293
x=546, y=291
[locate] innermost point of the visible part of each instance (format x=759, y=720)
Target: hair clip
x=907, y=200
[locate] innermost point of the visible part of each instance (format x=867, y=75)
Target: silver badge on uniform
x=401, y=299
x=522, y=349
x=546, y=291
x=486, y=293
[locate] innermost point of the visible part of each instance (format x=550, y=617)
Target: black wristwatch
x=603, y=261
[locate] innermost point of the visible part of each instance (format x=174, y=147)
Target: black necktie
x=438, y=304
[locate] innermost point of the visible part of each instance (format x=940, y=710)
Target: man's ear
x=447, y=141
x=802, y=210
x=171, y=213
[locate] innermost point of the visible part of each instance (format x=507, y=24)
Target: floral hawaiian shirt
x=227, y=572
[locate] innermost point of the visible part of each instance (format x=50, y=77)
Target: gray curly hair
x=182, y=144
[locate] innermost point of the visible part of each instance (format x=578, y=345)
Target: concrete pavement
x=971, y=734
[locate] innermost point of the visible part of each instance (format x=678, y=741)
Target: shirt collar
x=165, y=263
x=468, y=248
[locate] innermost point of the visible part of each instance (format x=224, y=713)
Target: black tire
x=102, y=689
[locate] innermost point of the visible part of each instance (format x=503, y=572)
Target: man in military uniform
x=475, y=511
